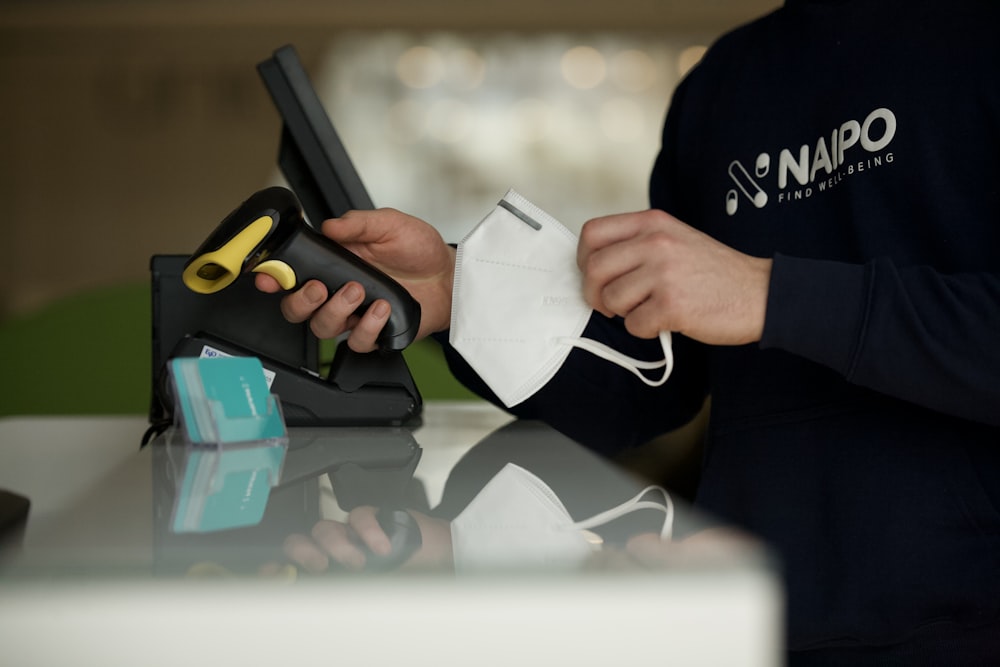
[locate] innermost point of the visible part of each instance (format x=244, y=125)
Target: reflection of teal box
x=225, y=399
x=225, y=487
x=234, y=441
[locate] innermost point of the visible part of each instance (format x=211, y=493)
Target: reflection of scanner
x=268, y=234
x=13, y=518
x=207, y=519
x=359, y=479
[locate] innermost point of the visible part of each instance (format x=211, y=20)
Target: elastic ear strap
x=628, y=363
x=636, y=503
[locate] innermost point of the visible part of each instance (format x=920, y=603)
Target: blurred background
x=132, y=127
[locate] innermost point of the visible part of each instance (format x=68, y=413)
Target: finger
x=647, y=548
x=647, y=320
x=627, y=292
x=603, y=268
x=266, y=283
x=306, y=554
x=332, y=537
x=364, y=522
x=333, y=317
x=277, y=571
x=365, y=332
x=302, y=303
x=601, y=232
x=634, y=279
x=647, y=298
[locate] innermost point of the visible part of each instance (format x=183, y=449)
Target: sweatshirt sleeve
x=911, y=333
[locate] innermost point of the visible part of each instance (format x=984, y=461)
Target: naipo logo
x=853, y=148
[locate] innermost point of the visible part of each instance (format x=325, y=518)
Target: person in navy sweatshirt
x=824, y=242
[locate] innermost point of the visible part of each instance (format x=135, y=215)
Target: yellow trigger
x=278, y=270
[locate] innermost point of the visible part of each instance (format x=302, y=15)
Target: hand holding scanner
x=267, y=234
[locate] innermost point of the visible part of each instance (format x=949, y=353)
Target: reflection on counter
x=498, y=511
x=340, y=501
x=375, y=546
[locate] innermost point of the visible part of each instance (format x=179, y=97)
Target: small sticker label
x=209, y=352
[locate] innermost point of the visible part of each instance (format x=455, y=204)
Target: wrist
x=447, y=287
x=758, y=299
x=436, y=309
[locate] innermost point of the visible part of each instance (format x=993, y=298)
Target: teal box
x=231, y=441
x=225, y=399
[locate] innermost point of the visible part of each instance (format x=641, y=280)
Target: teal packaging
x=233, y=439
x=224, y=399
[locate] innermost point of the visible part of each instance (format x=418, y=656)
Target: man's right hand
x=406, y=248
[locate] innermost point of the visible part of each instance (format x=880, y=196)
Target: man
x=834, y=287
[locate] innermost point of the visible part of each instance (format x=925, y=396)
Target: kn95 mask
x=518, y=306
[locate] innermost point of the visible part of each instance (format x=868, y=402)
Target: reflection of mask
x=517, y=521
x=518, y=307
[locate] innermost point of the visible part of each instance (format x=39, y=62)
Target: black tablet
x=311, y=155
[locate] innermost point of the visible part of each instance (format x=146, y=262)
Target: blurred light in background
x=583, y=67
x=442, y=125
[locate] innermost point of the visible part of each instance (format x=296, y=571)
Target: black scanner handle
x=267, y=233
x=316, y=257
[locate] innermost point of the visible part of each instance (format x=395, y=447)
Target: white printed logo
x=815, y=168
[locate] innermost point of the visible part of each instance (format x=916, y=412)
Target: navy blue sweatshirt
x=857, y=143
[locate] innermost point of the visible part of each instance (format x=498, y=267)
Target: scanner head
x=242, y=240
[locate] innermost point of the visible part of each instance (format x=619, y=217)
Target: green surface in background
x=90, y=354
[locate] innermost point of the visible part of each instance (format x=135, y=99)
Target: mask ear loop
x=635, y=366
x=636, y=503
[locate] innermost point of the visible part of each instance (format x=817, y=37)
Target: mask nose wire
x=635, y=366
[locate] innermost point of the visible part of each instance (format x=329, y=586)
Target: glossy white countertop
x=92, y=502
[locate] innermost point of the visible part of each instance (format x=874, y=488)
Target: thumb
x=364, y=227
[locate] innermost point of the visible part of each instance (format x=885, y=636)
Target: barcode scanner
x=268, y=234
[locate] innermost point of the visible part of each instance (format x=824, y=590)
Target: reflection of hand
x=650, y=551
x=211, y=570
x=406, y=248
x=332, y=541
x=712, y=544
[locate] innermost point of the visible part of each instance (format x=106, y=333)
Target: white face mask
x=518, y=307
x=517, y=521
